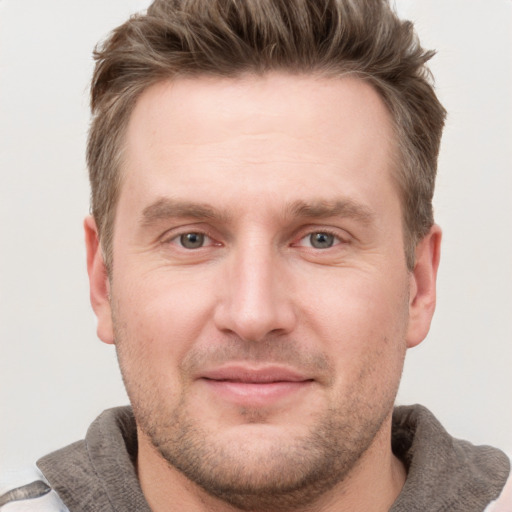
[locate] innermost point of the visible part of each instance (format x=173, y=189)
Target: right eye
x=192, y=240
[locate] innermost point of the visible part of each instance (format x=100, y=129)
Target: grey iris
x=192, y=240
x=321, y=240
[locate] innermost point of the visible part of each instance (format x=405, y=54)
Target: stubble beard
x=282, y=477
x=288, y=474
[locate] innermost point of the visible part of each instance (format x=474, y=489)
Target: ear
x=422, y=298
x=98, y=282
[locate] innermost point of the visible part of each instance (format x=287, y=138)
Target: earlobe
x=98, y=282
x=422, y=298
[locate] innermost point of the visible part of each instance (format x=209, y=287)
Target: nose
x=256, y=298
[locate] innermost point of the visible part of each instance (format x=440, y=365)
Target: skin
x=262, y=367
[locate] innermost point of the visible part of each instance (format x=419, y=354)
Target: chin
x=262, y=466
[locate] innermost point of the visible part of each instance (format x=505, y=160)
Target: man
x=262, y=252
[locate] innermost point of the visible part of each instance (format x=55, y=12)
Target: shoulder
x=445, y=473
x=504, y=501
x=34, y=494
x=91, y=474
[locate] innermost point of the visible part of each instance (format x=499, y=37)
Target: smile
x=255, y=387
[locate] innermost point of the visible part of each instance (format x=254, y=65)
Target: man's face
x=259, y=294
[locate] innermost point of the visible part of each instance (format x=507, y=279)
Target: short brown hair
x=233, y=37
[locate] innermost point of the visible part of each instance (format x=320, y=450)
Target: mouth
x=263, y=386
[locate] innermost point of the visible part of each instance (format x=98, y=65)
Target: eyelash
x=176, y=239
x=330, y=232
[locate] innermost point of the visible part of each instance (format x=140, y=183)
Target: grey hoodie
x=98, y=473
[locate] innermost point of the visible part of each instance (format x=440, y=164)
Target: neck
x=373, y=484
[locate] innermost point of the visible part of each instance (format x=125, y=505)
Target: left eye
x=319, y=240
x=192, y=240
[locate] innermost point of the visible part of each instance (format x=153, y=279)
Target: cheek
x=361, y=323
x=160, y=318
x=357, y=304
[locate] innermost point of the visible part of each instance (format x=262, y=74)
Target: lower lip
x=256, y=393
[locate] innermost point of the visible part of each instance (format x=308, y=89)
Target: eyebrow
x=346, y=208
x=166, y=208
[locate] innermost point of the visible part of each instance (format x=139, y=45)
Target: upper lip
x=254, y=375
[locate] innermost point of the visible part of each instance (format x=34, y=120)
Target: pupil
x=192, y=240
x=321, y=240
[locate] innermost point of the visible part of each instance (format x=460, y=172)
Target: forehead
x=201, y=109
x=276, y=132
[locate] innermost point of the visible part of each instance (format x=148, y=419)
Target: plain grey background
x=55, y=376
